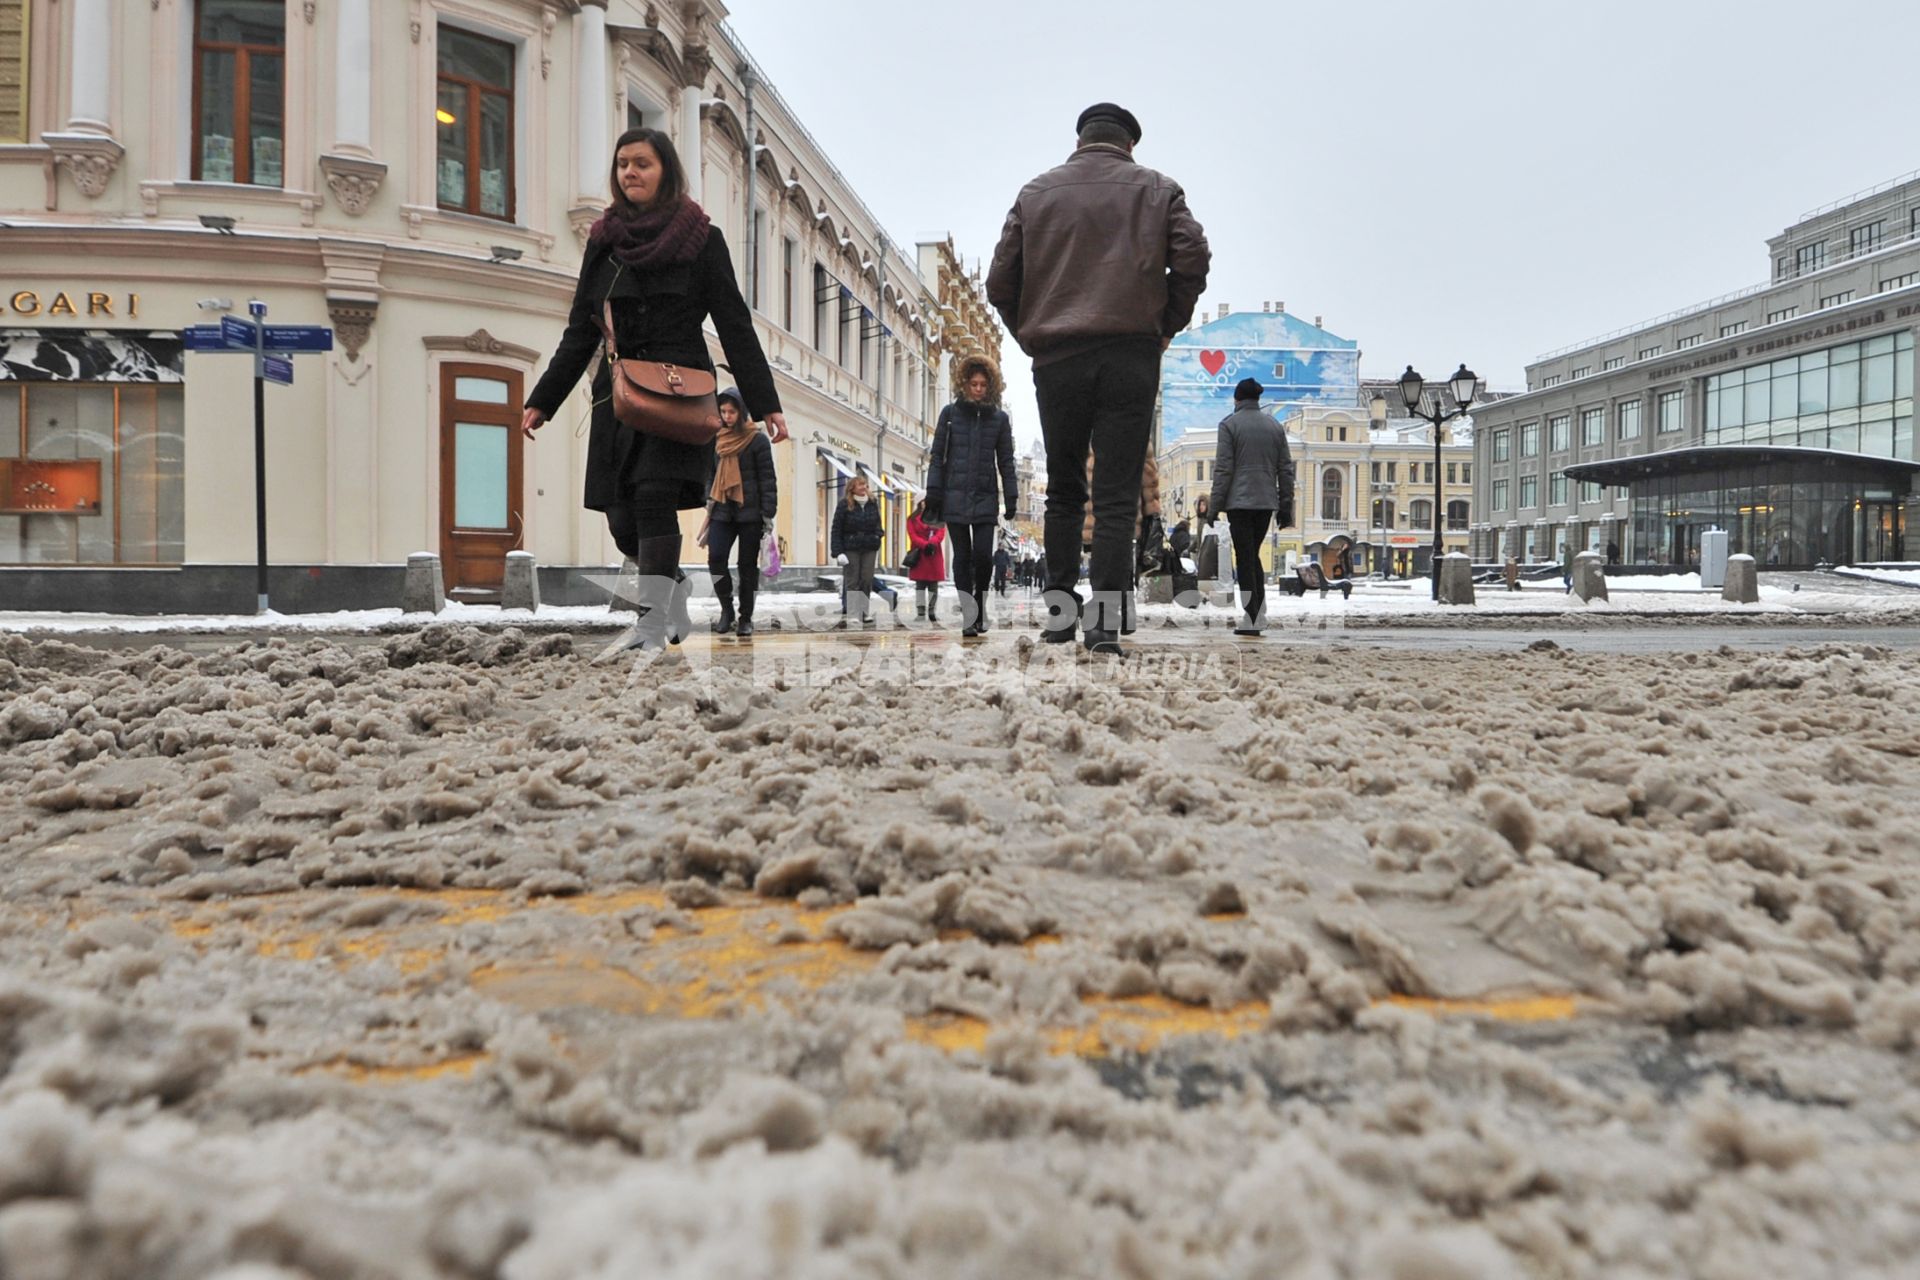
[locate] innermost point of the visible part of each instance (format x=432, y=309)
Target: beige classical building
x=1370, y=484
x=420, y=176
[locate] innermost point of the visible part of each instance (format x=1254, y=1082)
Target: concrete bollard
x=1743, y=581
x=1456, y=579
x=1589, y=576
x=426, y=591
x=520, y=589
x=626, y=592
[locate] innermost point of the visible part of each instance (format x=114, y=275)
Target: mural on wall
x=1298, y=364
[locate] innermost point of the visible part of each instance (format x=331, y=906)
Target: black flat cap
x=1108, y=111
x=1248, y=389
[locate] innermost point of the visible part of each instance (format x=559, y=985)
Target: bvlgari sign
x=43, y=305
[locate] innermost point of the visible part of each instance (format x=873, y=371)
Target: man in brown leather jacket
x=1099, y=265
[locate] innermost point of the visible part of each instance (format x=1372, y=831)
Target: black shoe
x=723, y=588
x=1104, y=644
x=1246, y=631
x=745, y=629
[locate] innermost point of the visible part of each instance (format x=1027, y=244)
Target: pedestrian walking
x=1149, y=534
x=1186, y=584
x=972, y=481
x=1253, y=485
x=1002, y=565
x=743, y=502
x=1206, y=558
x=1098, y=266
x=926, y=546
x=658, y=268
x=857, y=535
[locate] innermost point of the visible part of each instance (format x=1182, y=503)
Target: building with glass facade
x=1782, y=413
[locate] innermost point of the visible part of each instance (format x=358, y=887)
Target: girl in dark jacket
x=744, y=498
x=972, y=447
x=857, y=536
x=664, y=269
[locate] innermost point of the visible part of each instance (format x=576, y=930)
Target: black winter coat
x=856, y=528
x=656, y=314
x=970, y=442
x=759, y=487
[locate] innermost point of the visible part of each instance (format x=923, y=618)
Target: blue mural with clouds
x=1298, y=364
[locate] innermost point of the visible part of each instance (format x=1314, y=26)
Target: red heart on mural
x=1213, y=361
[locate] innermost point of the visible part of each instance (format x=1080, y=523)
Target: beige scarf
x=731, y=442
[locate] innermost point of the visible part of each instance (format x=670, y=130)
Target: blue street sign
x=238, y=333
x=299, y=337
x=204, y=337
x=276, y=369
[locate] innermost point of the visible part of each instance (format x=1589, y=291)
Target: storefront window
x=1789, y=513
x=92, y=473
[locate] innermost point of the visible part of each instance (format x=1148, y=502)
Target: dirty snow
x=397, y=956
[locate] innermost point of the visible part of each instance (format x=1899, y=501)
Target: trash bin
x=1713, y=558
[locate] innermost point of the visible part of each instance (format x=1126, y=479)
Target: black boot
x=1126, y=613
x=749, y=587
x=723, y=591
x=933, y=602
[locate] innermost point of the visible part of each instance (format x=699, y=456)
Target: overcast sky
x=1475, y=180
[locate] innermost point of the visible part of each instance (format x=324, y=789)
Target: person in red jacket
x=930, y=570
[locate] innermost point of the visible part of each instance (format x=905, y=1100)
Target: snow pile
x=324, y=959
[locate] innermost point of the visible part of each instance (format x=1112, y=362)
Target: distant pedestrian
x=1186, y=585
x=857, y=535
x=1002, y=565
x=743, y=501
x=1206, y=557
x=1613, y=553
x=1253, y=485
x=660, y=268
x=1099, y=265
x=929, y=568
x=972, y=481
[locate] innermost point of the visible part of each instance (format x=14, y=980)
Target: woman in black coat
x=972, y=447
x=664, y=268
x=744, y=499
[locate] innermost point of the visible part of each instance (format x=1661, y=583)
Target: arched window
x=1383, y=513
x=1330, y=510
x=1422, y=513
x=1457, y=514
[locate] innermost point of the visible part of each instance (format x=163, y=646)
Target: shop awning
x=836, y=462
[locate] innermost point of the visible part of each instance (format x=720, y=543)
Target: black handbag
x=912, y=557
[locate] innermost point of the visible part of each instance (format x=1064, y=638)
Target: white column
x=590, y=97
x=353, y=77
x=90, y=67
x=690, y=148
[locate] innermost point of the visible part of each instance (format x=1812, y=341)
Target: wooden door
x=481, y=509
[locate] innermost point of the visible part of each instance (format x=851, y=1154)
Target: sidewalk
x=1399, y=604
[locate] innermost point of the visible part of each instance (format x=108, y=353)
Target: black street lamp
x=1413, y=391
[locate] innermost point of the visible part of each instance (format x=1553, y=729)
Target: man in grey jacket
x=1099, y=265
x=1253, y=484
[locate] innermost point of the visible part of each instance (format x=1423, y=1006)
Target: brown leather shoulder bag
x=665, y=400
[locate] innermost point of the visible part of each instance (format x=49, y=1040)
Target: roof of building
x=1263, y=330
x=1719, y=457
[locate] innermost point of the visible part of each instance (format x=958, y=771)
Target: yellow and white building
x=420, y=176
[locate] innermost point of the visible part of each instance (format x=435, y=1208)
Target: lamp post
x=1377, y=515
x=1413, y=391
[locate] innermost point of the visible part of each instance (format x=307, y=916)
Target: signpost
x=270, y=346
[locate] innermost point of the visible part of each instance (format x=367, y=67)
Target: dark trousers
x=1103, y=400
x=972, y=563
x=630, y=522
x=722, y=536
x=1249, y=530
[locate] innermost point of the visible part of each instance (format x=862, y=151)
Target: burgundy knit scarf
x=663, y=237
